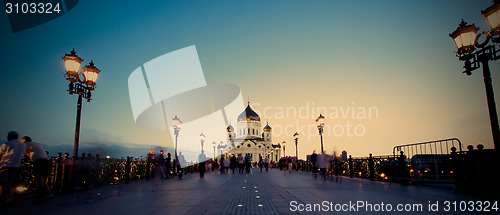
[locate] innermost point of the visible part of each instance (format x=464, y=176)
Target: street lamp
x=221, y=147
x=467, y=40
x=321, y=124
x=284, y=151
x=202, y=140
x=296, y=138
x=214, y=144
x=277, y=153
x=78, y=86
x=176, y=123
x=492, y=15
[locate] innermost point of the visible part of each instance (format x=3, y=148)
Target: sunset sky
x=393, y=59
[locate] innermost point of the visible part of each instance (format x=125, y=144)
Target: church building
x=249, y=137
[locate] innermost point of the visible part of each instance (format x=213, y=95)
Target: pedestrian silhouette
x=11, y=153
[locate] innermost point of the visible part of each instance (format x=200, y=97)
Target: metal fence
x=436, y=147
x=68, y=175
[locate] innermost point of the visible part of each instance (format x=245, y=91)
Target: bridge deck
x=254, y=193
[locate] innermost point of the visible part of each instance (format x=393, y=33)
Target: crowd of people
x=231, y=163
x=11, y=154
x=25, y=163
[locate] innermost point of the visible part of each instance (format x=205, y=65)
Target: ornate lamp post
x=277, y=154
x=77, y=85
x=202, y=140
x=221, y=147
x=176, y=123
x=321, y=124
x=214, y=144
x=467, y=40
x=296, y=138
x=284, y=151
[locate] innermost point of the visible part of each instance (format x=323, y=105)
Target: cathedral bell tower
x=230, y=135
x=267, y=134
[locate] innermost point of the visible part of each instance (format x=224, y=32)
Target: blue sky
x=393, y=55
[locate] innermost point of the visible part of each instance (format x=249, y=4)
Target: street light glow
x=492, y=15
x=21, y=189
x=72, y=63
x=320, y=121
x=464, y=37
x=90, y=72
x=176, y=122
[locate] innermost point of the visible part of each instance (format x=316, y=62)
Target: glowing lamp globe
x=464, y=37
x=492, y=15
x=320, y=121
x=176, y=122
x=72, y=63
x=90, y=72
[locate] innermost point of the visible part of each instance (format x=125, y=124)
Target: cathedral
x=249, y=137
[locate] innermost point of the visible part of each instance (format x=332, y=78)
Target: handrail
x=429, y=147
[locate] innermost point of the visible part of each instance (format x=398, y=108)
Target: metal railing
x=68, y=175
x=428, y=148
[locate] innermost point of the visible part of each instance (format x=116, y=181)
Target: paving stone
x=223, y=194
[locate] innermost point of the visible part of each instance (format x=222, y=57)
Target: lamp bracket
x=473, y=60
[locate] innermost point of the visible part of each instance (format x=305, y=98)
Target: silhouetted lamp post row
x=221, y=147
x=467, y=40
x=176, y=123
x=321, y=124
x=81, y=83
x=202, y=140
x=214, y=144
x=284, y=149
x=296, y=138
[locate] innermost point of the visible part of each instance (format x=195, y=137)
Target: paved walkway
x=274, y=192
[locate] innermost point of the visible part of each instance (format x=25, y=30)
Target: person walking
x=241, y=164
x=59, y=173
x=127, y=170
x=168, y=165
x=41, y=167
x=11, y=153
x=202, y=165
x=68, y=179
x=371, y=168
x=181, y=163
x=314, y=161
x=290, y=165
x=161, y=164
x=266, y=163
x=261, y=163
x=248, y=162
x=322, y=164
x=233, y=163
x=222, y=164
x=226, y=165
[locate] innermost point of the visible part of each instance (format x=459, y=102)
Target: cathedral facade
x=249, y=137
